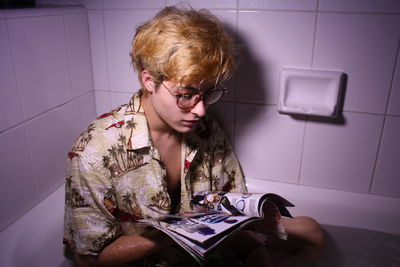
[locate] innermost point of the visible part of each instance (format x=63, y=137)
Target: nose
x=199, y=109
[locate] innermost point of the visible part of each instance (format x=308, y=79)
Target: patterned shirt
x=115, y=174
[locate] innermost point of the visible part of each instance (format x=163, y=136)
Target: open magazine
x=216, y=216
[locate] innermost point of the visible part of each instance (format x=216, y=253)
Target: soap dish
x=309, y=92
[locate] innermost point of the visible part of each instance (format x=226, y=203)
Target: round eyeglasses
x=188, y=100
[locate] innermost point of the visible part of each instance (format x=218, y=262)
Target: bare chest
x=171, y=157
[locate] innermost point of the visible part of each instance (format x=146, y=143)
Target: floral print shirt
x=115, y=174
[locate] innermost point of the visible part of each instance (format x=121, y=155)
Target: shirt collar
x=136, y=123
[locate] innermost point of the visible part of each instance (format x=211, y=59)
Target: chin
x=184, y=129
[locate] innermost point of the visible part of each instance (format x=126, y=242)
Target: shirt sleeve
x=89, y=222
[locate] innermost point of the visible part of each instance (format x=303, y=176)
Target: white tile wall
x=17, y=186
x=98, y=49
x=9, y=103
x=34, y=240
x=394, y=106
x=116, y=4
x=79, y=55
x=32, y=12
x=387, y=171
x=119, y=30
x=103, y=103
x=271, y=40
x=41, y=62
x=341, y=156
x=85, y=110
x=360, y=5
x=229, y=19
x=279, y=4
x=118, y=99
x=93, y=4
x=267, y=143
x=45, y=66
x=50, y=137
x=210, y=4
x=364, y=47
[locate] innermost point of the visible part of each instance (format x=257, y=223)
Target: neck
x=159, y=130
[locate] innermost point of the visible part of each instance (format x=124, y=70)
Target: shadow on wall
x=247, y=81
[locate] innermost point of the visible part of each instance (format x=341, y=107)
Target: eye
x=187, y=96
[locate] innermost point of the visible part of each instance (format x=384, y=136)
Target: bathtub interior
x=352, y=247
x=36, y=240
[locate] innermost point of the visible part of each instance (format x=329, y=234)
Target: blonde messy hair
x=182, y=44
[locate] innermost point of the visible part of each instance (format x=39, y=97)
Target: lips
x=190, y=122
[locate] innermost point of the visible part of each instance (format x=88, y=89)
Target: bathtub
x=35, y=240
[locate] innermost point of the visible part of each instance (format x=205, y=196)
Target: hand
x=271, y=223
x=271, y=215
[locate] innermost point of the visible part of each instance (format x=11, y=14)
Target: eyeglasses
x=187, y=101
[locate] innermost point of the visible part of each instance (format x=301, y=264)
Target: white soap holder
x=309, y=92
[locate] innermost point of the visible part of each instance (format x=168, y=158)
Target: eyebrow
x=191, y=88
x=196, y=90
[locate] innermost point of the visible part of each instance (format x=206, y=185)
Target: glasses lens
x=188, y=100
x=213, y=97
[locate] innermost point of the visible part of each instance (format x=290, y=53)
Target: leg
x=250, y=247
x=305, y=244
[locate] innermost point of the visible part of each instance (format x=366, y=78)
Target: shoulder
x=101, y=134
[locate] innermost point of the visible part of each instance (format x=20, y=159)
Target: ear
x=148, y=81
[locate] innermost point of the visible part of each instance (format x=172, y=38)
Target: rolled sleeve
x=89, y=223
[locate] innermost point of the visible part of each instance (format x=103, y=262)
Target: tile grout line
x=319, y=11
x=302, y=150
x=23, y=124
x=306, y=117
x=395, y=67
x=47, y=111
x=106, y=58
x=91, y=56
x=17, y=83
x=315, y=35
x=270, y=180
x=22, y=214
x=68, y=53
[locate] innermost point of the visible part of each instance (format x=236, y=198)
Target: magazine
x=216, y=216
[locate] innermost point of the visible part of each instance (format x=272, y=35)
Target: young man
x=159, y=149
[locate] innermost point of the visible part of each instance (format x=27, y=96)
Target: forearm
x=127, y=248
x=246, y=240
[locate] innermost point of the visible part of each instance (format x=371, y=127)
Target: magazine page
x=249, y=204
x=201, y=235
x=280, y=203
x=228, y=202
x=202, y=228
x=194, y=250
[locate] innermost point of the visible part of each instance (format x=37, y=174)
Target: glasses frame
x=201, y=94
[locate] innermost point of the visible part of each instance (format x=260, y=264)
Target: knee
x=308, y=230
